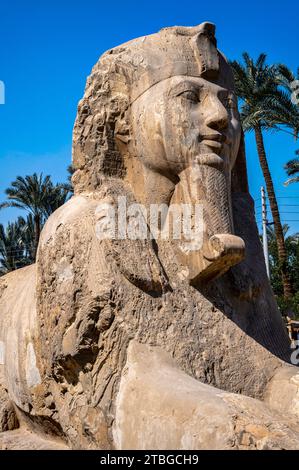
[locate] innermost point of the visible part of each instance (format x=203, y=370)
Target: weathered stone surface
x=8, y=417
x=26, y=440
x=158, y=124
x=177, y=412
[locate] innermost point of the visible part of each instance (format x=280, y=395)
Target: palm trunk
x=282, y=254
x=36, y=233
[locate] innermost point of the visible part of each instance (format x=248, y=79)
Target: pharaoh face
x=183, y=121
x=188, y=130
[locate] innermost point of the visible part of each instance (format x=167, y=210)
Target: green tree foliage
x=292, y=169
x=292, y=248
x=15, y=245
x=39, y=197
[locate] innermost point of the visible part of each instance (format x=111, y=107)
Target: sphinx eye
x=190, y=95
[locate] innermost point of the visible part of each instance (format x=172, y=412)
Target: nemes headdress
x=172, y=51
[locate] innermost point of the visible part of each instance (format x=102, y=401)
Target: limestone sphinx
x=127, y=342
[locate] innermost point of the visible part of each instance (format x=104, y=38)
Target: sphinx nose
x=217, y=115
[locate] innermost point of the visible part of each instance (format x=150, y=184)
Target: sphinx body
x=130, y=342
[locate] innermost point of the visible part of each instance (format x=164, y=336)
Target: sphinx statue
x=117, y=339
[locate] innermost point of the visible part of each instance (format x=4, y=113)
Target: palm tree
x=29, y=194
x=16, y=244
x=287, y=79
x=292, y=168
x=262, y=105
x=12, y=248
x=288, y=111
x=38, y=196
x=292, y=247
x=56, y=196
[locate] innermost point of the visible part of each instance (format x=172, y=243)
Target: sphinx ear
x=239, y=171
x=122, y=131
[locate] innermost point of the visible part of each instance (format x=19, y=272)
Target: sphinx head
x=160, y=112
x=167, y=99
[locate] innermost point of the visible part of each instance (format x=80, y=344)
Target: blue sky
x=48, y=48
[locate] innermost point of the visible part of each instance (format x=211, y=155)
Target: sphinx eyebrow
x=198, y=86
x=184, y=86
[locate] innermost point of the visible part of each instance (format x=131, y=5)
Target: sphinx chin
x=212, y=160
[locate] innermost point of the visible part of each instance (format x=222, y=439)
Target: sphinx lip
x=213, y=144
x=213, y=141
x=213, y=137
